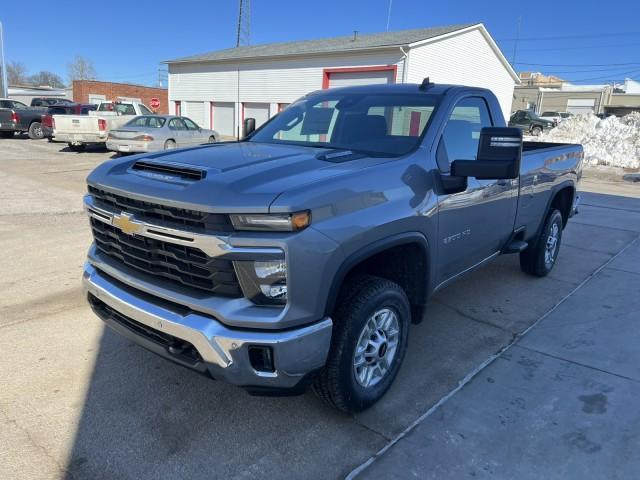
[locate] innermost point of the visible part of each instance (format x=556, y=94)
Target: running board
x=516, y=246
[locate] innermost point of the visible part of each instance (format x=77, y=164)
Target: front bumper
x=221, y=351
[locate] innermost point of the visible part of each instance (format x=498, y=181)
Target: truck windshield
x=384, y=124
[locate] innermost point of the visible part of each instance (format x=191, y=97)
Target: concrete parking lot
x=475, y=397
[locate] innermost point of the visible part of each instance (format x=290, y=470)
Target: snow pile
x=613, y=141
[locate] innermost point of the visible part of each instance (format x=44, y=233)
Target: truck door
x=474, y=224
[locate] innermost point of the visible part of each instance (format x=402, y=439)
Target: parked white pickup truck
x=81, y=130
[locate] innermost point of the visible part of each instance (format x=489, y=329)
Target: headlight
x=263, y=282
x=280, y=222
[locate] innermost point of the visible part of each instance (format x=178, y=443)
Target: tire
x=35, y=131
x=539, y=259
x=364, y=301
x=169, y=145
x=212, y=139
x=536, y=131
x=77, y=148
x=7, y=134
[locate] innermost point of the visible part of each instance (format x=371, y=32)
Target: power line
x=578, y=64
x=608, y=77
x=569, y=37
x=581, y=47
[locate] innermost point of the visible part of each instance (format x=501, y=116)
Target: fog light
x=274, y=291
x=261, y=358
x=274, y=267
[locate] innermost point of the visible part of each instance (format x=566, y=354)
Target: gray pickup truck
x=16, y=117
x=301, y=254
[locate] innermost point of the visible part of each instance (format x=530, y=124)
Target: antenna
x=515, y=44
x=243, y=37
x=426, y=83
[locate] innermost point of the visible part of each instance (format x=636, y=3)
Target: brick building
x=92, y=91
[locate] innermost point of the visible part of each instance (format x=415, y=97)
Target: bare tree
x=44, y=77
x=16, y=73
x=81, y=69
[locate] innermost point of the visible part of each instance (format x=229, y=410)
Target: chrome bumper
x=224, y=352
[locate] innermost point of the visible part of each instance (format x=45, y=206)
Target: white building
x=221, y=88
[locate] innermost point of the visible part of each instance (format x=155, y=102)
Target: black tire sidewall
x=359, y=397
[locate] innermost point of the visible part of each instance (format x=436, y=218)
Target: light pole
x=4, y=93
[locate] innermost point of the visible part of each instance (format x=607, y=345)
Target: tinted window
x=389, y=124
x=145, y=110
x=190, y=124
x=461, y=133
x=18, y=105
x=147, y=121
x=176, y=124
x=549, y=114
x=5, y=104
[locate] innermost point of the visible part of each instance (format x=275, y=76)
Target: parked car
x=63, y=109
x=301, y=254
x=16, y=117
x=554, y=117
x=82, y=130
x=47, y=101
x=529, y=122
x=150, y=133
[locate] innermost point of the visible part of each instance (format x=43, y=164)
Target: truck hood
x=237, y=177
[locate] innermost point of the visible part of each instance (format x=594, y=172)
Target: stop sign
x=154, y=103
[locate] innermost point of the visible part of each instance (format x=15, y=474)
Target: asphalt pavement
x=474, y=397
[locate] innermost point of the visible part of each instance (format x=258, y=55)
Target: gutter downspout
x=405, y=56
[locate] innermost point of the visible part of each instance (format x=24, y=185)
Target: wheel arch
x=401, y=258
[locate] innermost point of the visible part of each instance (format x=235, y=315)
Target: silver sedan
x=149, y=133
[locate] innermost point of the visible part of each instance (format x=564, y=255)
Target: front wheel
x=212, y=139
x=369, y=341
x=538, y=259
x=35, y=131
x=536, y=131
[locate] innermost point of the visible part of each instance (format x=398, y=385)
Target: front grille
x=171, y=216
x=178, y=263
x=175, y=346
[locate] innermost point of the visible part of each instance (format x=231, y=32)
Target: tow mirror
x=499, y=156
x=248, y=126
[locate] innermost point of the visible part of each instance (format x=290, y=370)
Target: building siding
x=465, y=59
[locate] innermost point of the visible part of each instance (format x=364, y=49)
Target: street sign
x=154, y=103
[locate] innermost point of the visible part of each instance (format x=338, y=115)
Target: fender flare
x=552, y=196
x=370, y=250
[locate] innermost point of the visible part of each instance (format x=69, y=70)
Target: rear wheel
x=169, y=145
x=536, y=131
x=369, y=341
x=212, y=139
x=539, y=259
x=35, y=131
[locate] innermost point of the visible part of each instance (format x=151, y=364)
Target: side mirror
x=499, y=156
x=248, y=126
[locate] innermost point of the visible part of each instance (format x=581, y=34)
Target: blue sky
x=584, y=41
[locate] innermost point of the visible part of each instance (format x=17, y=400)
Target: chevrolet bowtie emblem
x=125, y=222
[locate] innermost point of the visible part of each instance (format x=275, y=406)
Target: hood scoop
x=168, y=171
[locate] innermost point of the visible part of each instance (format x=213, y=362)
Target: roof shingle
x=326, y=45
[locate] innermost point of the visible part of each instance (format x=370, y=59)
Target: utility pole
x=243, y=37
x=5, y=88
x=389, y=14
x=515, y=44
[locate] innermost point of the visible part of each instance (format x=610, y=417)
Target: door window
x=177, y=124
x=190, y=124
x=461, y=134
